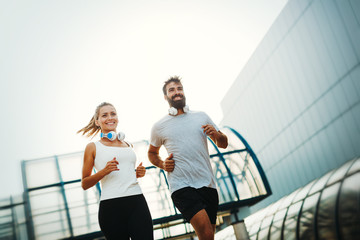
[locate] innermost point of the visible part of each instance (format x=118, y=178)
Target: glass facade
x=297, y=100
x=56, y=207
x=326, y=208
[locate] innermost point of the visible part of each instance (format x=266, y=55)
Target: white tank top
x=120, y=183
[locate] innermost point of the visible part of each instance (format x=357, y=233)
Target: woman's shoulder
x=90, y=146
x=129, y=144
x=90, y=151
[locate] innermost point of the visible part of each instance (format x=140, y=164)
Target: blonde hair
x=91, y=129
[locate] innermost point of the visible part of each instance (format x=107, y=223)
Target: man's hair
x=175, y=79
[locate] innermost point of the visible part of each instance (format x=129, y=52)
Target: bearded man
x=190, y=176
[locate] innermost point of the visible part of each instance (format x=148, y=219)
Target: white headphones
x=112, y=135
x=173, y=111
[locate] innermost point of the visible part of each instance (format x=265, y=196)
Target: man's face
x=175, y=95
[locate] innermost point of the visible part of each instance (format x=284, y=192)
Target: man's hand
x=210, y=131
x=218, y=137
x=169, y=163
x=140, y=171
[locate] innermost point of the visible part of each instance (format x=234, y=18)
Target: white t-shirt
x=120, y=183
x=183, y=136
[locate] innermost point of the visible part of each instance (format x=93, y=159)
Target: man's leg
x=202, y=225
x=199, y=207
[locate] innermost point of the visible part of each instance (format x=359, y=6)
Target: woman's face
x=108, y=119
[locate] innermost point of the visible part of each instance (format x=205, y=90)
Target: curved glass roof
x=326, y=208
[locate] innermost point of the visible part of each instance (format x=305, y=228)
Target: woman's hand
x=111, y=166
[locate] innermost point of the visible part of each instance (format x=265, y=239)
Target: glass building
x=297, y=100
x=297, y=103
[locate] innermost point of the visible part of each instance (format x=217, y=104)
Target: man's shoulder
x=161, y=121
x=198, y=113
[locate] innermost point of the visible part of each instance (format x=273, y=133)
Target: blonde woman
x=123, y=210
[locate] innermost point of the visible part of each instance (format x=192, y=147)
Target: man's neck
x=180, y=111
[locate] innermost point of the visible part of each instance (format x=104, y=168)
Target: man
x=192, y=182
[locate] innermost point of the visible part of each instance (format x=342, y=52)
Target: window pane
x=355, y=167
x=340, y=173
x=70, y=166
x=41, y=172
x=275, y=231
x=290, y=222
x=306, y=227
x=48, y=214
x=303, y=192
x=349, y=212
x=319, y=185
x=263, y=234
x=326, y=215
x=288, y=199
x=83, y=208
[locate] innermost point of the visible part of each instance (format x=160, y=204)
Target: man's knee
x=206, y=234
x=202, y=225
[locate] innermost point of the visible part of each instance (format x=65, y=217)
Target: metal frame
x=165, y=222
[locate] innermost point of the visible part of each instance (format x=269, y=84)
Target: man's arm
x=221, y=140
x=218, y=137
x=154, y=157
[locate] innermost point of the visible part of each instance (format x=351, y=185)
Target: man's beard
x=179, y=104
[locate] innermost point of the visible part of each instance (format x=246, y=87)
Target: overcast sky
x=60, y=59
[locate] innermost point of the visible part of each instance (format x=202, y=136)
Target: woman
x=123, y=211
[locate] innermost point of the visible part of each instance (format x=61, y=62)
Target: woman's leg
x=111, y=220
x=140, y=221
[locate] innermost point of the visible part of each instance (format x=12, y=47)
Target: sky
x=60, y=59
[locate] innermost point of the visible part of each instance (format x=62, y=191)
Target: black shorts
x=191, y=200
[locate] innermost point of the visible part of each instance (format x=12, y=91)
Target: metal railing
x=56, y=207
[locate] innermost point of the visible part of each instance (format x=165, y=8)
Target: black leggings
x=125, y=218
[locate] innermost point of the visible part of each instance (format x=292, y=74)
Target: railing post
x=240, y=230
x=62, y=190
x=27, y=205
x=237, y=221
